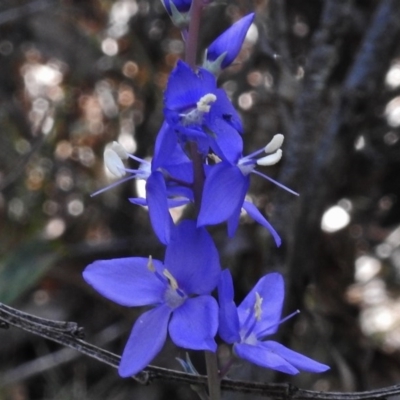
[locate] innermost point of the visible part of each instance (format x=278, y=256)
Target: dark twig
x=336, y=150
x=59, y=357
x=321, y=60
x=283, y=391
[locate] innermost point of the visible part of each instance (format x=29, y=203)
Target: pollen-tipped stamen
x=150, y=264
x=120, y=150
x=253, y=317
x=204, y=104
x=114, y=163
x=257, y=306
x=265, y=331
x=152, y=268
x=195, y=116
x=275, y=144
x=270, y=159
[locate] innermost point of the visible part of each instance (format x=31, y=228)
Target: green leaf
x=24, y=267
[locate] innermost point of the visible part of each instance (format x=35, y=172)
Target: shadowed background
x=78, y=75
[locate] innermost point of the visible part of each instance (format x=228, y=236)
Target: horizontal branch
x=68, y=334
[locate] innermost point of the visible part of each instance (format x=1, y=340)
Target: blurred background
x=76, y=75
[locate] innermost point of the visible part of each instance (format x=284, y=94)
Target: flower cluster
x=198, y=160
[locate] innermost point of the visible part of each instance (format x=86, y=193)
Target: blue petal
x=254, y=213
x=156, y=195
x=223, y=195
x=126, y=281
x=223, y=108
x=233, y=223
x=185, y=133
x=193, y=259
x=166, y=149
x=139, y=201
x=181, y=5
x=258, y=355
x=145, y=341
x=227, y=144
x=271, y=288
x=228, y=316
x=181, y=171
x=230, y=41
x=296, y=359
x=186, y=87
x=194, y=324
x=172, y=203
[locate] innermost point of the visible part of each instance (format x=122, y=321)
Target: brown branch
x=61, y=333
x=308, y=107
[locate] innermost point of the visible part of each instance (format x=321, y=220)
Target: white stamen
x=144, y=170
x=203, y=104
x=257, y=307
x=114, y=163
x=150, y=264
x=214, y=158
x=120, y=150
x=271, y=159
x=274, y=144
x=172, y=281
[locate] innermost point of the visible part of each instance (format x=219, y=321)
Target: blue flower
x=223, y=50
x=163, y=191
x=226, y=186
x=258, y=316
x=198, y=111
x=178, y=291
x=168, y=178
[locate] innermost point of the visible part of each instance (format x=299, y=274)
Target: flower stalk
x=193, y=34
x=213, y=379
x=198, y=159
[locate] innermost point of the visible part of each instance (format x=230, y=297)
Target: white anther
x=257, y=306
x=150, y=264
x=274, y=144
x=114, y=163
x=203, y=104
x=172, y=281
x=120, y=150
x=271, y=159
x=214, y=158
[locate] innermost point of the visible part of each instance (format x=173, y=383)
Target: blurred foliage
x=22, y=268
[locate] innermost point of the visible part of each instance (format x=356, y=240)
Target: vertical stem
x=198, y=178
x=212, y=375
x=190, y=57
x=193, y=34
x=198, y=175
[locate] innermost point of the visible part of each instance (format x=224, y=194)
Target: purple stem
x=193, y=33
x=198, y=178
x=190, y=57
